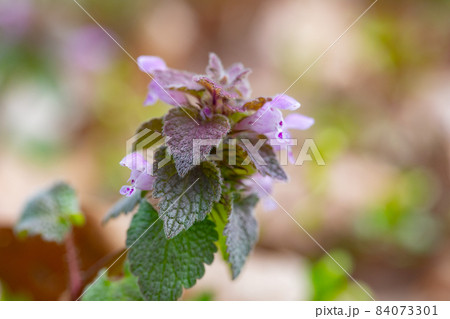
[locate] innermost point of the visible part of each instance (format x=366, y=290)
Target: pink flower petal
x=298, y=121
x=145, y=182
x=284, y=102
x=263, y=188
x=156, y=92
x=127, y=190
x=135, y=161
x=266, y=120
x=269, y=204
x=152, y=97
x=134, y=176
x=149, y=64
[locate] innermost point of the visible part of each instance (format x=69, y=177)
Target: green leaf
x=231, y=166
x=164, y=266
x=77, y=219
x=219, y=215
x=124, y=205
x=241, y=232
x=185, y=200
x=270, y=165
x=105, y=289
x=237, y=116
x=182, y=129
x=154, y=125
x=149, y=134
x=50, y=214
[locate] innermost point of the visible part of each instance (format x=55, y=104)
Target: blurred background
x=70, y=98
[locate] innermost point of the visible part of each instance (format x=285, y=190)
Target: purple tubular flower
x=292, y=121
x=149, y=64
x=298, y=122
x=268, y=120
x=263, y=187
x=167, y=85
x=284, y=102
x=226, y=86
x=156, y=91
x=140, y=177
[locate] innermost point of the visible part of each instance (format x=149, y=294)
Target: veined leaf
x=149, y=134
x=185, y=200
x=241, y=232
x=219, y=215
x=182, y=131
x=105, y=288
x=265, y=160
x=125, y=205
x=51, y=214
x=164, y=266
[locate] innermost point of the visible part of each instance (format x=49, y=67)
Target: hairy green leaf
x=105, y=288
x=266, y=163
x=182, y=129
x=237, y=116
x=124, y=205
x=164, y=266
x=51, y=214
x=154, y=125
x=185, y=200
x=241, y=232
x=149, y=134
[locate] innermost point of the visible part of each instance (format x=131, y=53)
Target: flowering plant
x=204, y=165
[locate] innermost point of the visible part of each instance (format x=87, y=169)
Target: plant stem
x=74, y=268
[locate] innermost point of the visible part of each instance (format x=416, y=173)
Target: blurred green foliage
x=51, y=214
x=203, y=296
x=7, y=295
x=330, y=282
x=104, y=288
x=403, y=217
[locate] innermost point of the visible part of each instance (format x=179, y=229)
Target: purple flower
x=140, y=176
x=167, y=85
x=149, y=64
x=263, y=187
x=89, y=48
x=232, y=80
x=268, y=120
x=173, y=86
x=15, y=17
